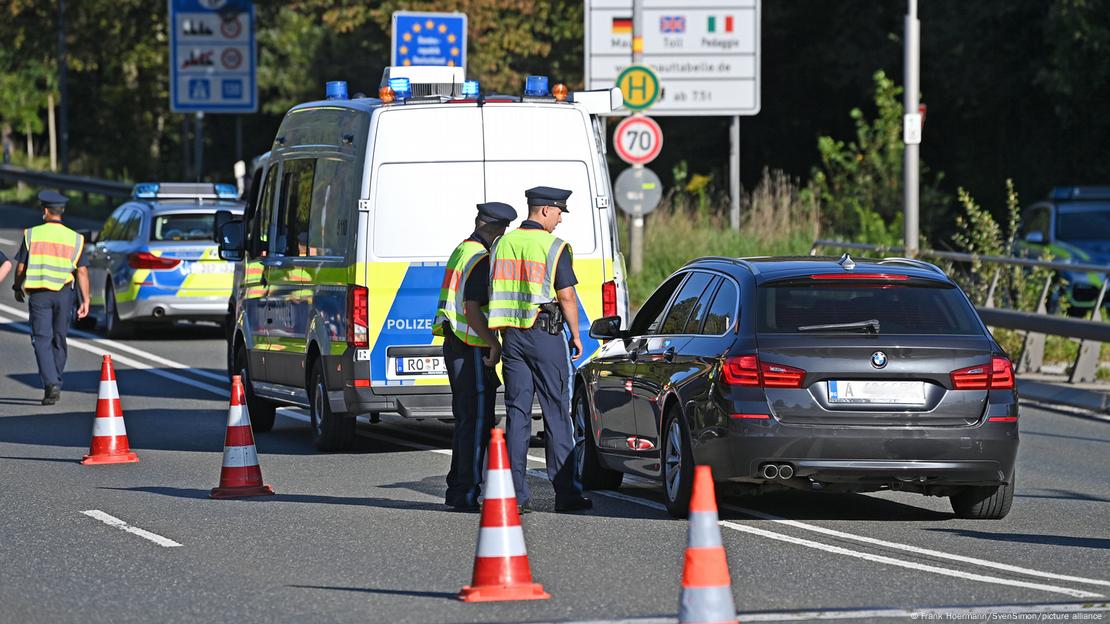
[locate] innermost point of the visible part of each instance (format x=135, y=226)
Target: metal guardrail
x=80, y=184
x=1090, y=332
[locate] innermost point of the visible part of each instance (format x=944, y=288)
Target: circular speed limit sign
x=638, y=140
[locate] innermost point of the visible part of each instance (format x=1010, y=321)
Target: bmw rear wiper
x=870, y=326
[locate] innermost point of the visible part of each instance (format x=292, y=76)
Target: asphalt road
x=363, y=537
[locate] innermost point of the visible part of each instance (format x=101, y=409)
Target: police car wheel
x=330, y=431
x=113, y=326
x=678, y=464
x=984, y=503
x=262, y=412
x=591, y=472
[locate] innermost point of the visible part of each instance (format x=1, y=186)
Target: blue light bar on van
x=402, y=88
x=336, y=90
x=536, y=86
x=471, y=88
x=226, y=191
x=145, y=190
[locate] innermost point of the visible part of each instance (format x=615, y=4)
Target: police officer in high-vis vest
x=470, y=351
x=47, y=261
x=531, y=298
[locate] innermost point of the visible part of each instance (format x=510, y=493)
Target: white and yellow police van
x=341, y=251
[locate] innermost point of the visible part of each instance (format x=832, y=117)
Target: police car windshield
x=1084, y=222
x=184, y=227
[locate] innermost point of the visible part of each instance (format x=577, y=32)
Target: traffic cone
x=109, y=436
x=240, y=475
x=706, y=586
x=501, y=568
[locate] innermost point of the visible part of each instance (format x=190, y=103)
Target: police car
x=155, y=258
x=360, y=203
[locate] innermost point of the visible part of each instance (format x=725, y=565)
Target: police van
x=342, y=248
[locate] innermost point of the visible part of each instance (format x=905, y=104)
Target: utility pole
x=734, y=173
x=636, y=236
x=911, y=128
x=198, y=146
x=63, y=92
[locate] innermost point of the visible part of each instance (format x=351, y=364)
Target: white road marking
x=8, y=242
x=118, y=346
x=93, y=348
x=123, y=526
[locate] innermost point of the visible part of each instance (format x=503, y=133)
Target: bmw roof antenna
x=846, y=262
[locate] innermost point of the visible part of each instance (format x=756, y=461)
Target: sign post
x=428, y=39
x=212, y=61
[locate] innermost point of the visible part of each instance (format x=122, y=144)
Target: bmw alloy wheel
x=672, y=462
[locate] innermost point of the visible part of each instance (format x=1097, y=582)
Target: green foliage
x=859, y=183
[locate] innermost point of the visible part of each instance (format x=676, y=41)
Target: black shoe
x=465, y=507
x=524, y=509
x=51, y=395
x=580, y=503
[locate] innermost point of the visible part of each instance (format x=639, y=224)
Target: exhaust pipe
x=786, y=471
x=159, y=312
x=770, y=471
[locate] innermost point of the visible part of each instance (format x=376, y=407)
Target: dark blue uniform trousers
x=536, y=362
x=473, y=398
x=51, y=315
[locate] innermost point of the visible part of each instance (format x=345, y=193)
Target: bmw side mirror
x=230, y=240
x=607, y=327
x=1035, y=237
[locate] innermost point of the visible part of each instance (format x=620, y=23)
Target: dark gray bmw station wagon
x=817, y=374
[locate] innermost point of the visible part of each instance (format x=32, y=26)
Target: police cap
x=496, y=213
x=53, y=200
x=547, y=196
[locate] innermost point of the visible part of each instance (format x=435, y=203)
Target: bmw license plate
x=427, y=365
x=211, y=267
x=877, y=392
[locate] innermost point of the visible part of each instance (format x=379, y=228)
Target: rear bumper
x=176, y=307
x=411, y=402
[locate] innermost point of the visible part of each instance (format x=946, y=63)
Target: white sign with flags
x=707, y=54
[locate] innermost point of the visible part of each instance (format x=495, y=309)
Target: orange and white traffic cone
x=240, y=476
x=109, y=436
x=501, y=568
x=706, y=586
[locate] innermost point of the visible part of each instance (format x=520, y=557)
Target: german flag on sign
x=622, y=25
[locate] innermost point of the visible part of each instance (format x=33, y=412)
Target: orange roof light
x=386, y=94
x=560, y=92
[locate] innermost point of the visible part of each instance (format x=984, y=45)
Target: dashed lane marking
x=113, y=521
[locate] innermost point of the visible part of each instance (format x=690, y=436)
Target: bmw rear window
x=184, y=227
x=899, y=308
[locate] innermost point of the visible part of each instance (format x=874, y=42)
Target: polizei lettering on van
x=409, y=324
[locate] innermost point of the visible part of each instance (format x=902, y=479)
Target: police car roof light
x=471, y=88
x=336, y=90
x=145, y=190
x=226, y=191
x=536, y=86
x=402, y=88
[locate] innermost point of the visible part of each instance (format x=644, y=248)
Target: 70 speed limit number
x=638, y=140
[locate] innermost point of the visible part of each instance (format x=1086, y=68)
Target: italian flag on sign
x=718, y=23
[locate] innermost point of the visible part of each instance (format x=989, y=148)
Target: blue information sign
x=212, y=56
x=429, y=39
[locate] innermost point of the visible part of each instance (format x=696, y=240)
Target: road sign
x=638, y=140
x=428, y=39
x=212, y=56
x=638, y=191
x=707, y=58
x=639, y=86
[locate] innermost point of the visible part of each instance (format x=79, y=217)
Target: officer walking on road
x=46, y=263
x=470, y=351
x=531, y=297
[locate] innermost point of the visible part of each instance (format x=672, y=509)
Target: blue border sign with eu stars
x=212, y=56
x=428, y=39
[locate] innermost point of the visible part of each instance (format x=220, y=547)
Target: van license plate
x=877, y=392
x=430, y=365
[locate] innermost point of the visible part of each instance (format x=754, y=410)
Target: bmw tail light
x=147, y=260
x=358, y=313
x=609, y=298
x=998, y=375
x=747, y=370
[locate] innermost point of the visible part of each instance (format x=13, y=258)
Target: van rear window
x=900, y=309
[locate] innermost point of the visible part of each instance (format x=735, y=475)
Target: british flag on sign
x=672, y=24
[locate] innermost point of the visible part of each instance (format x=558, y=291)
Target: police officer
x=46, y=263
x=531, y=297
x=470, y=351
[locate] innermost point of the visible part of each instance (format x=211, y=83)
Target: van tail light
x=358, y=313
x=747, y=370
x=147, y=260
x=609, y=298
x=998, y=375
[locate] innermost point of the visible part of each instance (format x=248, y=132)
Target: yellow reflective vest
x=522, y=276
x=52, y=254
x=452, y=293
